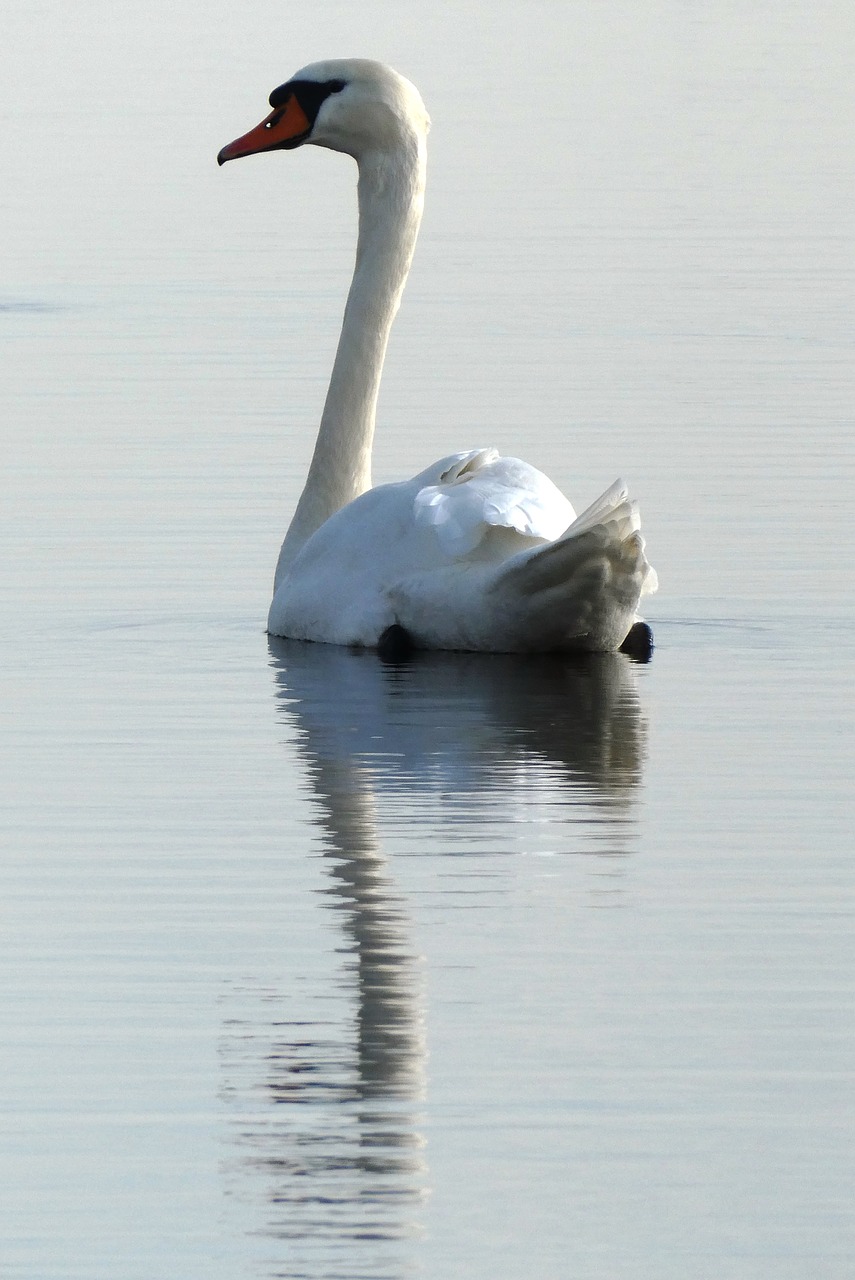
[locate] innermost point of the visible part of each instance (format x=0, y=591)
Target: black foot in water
x=395, y=645
x=638, y=644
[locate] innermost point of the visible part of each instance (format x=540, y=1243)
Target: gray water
x=479, y=968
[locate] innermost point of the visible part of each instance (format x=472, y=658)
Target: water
x=480, y=968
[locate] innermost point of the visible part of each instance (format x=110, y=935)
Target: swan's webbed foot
x=638, y=642
x=395, y=644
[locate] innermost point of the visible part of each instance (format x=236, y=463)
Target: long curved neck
x=391, y=194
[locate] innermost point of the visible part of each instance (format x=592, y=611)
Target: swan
x=478, y=551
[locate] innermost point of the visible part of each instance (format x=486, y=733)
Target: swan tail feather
x=583, y=589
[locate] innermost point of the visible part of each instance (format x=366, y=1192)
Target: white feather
x=489, y=491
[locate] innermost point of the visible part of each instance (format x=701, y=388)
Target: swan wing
x=585, y=585
x=480, y=490
x=580, y=590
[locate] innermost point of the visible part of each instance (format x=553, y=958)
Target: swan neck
x=391, y=193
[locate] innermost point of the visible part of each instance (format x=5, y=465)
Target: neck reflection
x=337, y=1140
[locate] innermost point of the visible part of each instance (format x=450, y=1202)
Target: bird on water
x=477, y=551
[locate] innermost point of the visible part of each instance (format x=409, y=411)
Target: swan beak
x=284, y=128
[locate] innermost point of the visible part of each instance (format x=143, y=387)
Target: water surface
x=313, y=967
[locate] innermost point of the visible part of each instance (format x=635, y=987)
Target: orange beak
x=284, y=128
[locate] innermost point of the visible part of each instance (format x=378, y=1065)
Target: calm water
x=479, y=968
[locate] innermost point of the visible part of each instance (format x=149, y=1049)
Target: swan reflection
x=339, y=1140
x=464, y=723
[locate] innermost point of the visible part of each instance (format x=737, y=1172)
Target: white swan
x=478, y=551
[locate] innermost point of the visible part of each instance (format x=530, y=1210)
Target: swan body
x=478, y=551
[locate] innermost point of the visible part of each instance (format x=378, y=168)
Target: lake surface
x=479, y=967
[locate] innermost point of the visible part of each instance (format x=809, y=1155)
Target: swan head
x=351, y=105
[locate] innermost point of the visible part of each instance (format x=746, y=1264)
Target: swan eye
x=310, y=94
